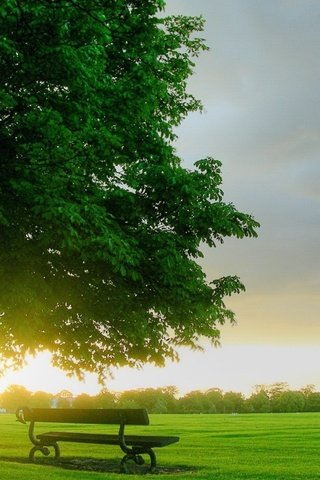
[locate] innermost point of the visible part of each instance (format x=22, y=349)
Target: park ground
x=211, y=447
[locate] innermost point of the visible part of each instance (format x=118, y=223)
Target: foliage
x=313, y=402
x=289, y=402
x=213, y=399
x=192, y=402
x=39, y=399
x=15, y=396
x=233, y=402
x=104, y=399
x=260, y=402
x=167, y=400
x=101, y=225
x=84, y=401
x=155, y=400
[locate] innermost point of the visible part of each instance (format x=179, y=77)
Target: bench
x=134, y=446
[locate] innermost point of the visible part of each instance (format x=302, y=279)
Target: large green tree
x=100, y=223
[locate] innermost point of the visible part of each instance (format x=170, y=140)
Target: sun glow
x=232, y=367
x=39, y=374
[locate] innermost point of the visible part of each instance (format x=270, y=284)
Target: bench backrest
x=128, y=416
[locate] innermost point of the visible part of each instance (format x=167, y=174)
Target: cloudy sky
x=260, y=86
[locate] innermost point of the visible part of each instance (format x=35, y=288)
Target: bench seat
x=107, y=439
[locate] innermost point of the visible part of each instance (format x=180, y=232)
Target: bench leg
x=137, y=458
x=44, y=449
x=153, y=460
x=130, y=457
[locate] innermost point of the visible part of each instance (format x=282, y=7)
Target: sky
x=259, y=84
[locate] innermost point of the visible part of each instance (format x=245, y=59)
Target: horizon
x=255, y=365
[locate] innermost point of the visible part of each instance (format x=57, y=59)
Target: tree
x=214, y=400
x=289, y=401
x=274, y=392
x=15, y=396
x=84, y=401
x=308, y=389
x=40, y=399
x=260, y=402
x=168, y=398
x=101, y=225
x=233, y=402
x=104, y=399
x=313, y=402
x=155, y=400
x=193, y=402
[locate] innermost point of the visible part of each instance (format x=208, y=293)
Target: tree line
x=275, y=398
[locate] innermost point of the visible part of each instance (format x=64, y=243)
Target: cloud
x=260, y=87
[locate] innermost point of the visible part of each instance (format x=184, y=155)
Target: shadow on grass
x=99, y=465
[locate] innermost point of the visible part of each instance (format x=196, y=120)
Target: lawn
x=221, y=447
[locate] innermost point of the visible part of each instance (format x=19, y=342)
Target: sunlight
x=39, y=374
x=232, y=367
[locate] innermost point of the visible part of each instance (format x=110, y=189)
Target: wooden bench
x=134, y=446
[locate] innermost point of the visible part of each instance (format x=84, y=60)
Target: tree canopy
x=101, y=225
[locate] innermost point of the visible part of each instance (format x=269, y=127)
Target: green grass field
x=222, y=447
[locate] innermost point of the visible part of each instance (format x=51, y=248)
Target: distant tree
x=130, y=399
x=277, y=389
x=159, y=406
x=247, y=406
x=308, y=389
x=289, y=401
x=312, y=402
x=260, y=388
x=40, y=399
x=100, y=224
x=213, y=399
x=15, y=396
x=260, y=402
x=193, y=402
x=274, y=391
x=104, y=399
x=233, y=402
x=155, y=400
x=167, y=400
x=152, y=400
x=84, y=401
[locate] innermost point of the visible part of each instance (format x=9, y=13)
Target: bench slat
x=109, y=439
x=133, y=416
x=131, y=440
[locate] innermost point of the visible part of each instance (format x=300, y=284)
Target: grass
x=211, y=447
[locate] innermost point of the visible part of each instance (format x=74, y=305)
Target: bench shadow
x=100, y=465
